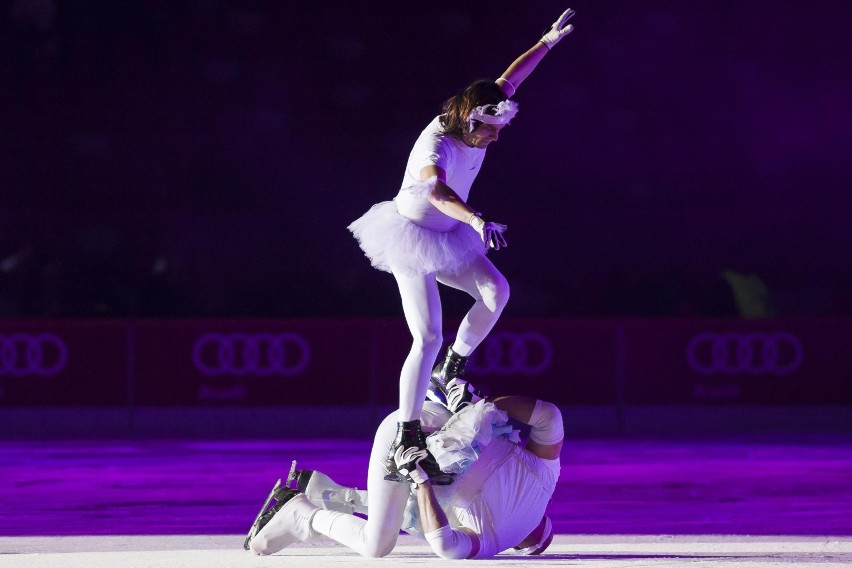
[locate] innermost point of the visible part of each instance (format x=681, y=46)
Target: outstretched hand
x=558, y=30
x=491, y=232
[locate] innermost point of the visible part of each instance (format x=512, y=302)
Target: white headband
x=501, y=113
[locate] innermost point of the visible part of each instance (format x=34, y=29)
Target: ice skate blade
x=292, y=475
x=298, y=478
x=396, y=477
x=436, y=396
x=445, y=479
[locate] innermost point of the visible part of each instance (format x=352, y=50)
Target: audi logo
x=745, y=353
x=508, y=353
x=21, y=354
x=239, y=354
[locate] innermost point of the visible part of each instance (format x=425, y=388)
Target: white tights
x=376, y=536
x=421, y=305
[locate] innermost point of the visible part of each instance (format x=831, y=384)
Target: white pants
x=386, y=501
x=501, y=498
x=511, y=501
x=421, y=304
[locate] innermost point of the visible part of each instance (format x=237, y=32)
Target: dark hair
x=457, y=109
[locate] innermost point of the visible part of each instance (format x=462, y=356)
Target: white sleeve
x=430, y=149
x=449, y=543
x=546, y=422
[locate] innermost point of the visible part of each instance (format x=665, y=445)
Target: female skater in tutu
x=430, y=234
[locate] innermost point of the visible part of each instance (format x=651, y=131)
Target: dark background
x=203, y=157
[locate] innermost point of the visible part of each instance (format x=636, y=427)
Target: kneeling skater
x=497, y=502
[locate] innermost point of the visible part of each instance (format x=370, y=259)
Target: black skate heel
x=452, y=367
x=409, y=434
x=447, y=386
x=301, y=477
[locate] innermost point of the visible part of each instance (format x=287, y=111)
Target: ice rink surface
x=610, y=551
x=714, y=501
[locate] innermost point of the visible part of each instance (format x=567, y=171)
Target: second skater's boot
x=451, y=367
x=457, y=395
x=408, y=435
x=447, y=386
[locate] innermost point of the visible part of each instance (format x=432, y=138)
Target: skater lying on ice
x=497, y=502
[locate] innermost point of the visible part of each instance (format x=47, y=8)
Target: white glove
x=558, y=30
x=408, y=464
x=491, y=233
x=460, y=393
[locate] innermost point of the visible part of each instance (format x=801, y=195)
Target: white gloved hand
x=558, y=30
x=491, y=232
x=460, y=393
x=408, y=463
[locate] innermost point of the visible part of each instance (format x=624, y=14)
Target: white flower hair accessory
x=501, y=113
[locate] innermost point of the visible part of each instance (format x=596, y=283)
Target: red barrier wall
x=356, y=362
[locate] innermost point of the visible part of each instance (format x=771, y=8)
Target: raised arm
x=521, y=67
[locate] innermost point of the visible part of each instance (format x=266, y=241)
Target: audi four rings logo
x=21, y=354
x=239, y=354
x=745, y=353
x=507, y=353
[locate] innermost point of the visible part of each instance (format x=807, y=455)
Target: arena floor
x=757, y=500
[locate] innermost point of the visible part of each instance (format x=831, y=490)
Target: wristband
x=514, y=90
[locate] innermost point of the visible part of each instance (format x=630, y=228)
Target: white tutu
x=458, y=444
x=395, y=243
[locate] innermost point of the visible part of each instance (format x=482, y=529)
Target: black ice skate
x=447, y=386
x=409, y=434
x=451, y=367
x=281, y=494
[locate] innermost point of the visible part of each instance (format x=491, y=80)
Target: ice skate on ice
x=266, y=513
x=285, y=522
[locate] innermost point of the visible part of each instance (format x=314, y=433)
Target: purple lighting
x=43, y=354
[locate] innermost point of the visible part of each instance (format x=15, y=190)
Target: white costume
x=410, y=235
x=422, y=246
x=501, y=497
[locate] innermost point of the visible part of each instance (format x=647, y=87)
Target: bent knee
x=496, y=294
x=428, y=340
x=378, y=550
